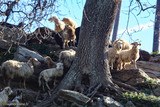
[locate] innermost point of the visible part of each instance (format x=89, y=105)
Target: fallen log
x=74, y=96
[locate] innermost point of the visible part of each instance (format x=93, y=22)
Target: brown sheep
x=69, y=21
x=68, y=35
x=59, y=25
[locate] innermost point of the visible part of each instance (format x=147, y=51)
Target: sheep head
x=53, y=19
x=8, y=90
x=135, y=44
x=118, y=45
x=59, y=65
x=34, y=61
x=49, y=62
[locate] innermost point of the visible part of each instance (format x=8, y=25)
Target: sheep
x=68, y=34
x=69, y=21
x=4, y=95
x=59, y=41
x=50, y=62
x=112, y=53
x=59, y=25
x=125, y=46
x=67, y=57
x=47, y=74
x=12, y=68
x=128, y=56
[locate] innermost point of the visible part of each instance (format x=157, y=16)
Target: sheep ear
x=139, y=44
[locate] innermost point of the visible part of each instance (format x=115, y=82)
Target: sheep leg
x=43, y=85
x=134, y=62
x=123, y=66
x=66, y=43
x=24, y=83
x=47, y=86
x=54, y=83
x=74, y=43
x=63, y=45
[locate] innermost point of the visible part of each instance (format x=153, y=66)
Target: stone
x=110, y=102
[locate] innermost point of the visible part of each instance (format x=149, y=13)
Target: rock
x=22, y=54
x=129, y=104
x=144, y=55
x=151, y=68
x=155, y=58
x=131, y=76
x=109, y=102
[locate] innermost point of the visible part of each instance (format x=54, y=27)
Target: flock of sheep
x=120, y=54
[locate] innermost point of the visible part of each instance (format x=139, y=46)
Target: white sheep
x=112, y=53
x=128, y=56
x=46, y=75
x=125, y=44
x=4, y=96
x=67, y=57
x=12, y=68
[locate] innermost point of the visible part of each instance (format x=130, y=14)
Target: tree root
x=125, y=86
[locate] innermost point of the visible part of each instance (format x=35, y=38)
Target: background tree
x=116, y=23
x=156, y=38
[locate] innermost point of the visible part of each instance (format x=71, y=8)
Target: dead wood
x=125, y=86
x=74, y=96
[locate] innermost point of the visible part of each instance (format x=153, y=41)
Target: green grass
x=142, y=99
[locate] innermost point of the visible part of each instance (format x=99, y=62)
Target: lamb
x=69, y=21
x=47, y=74
x=67, y=57
x=112, y=53
x=12, y=68
x=128, y=56
x=68, y=35
x=59, y=25
x=4, y=95
x=125, y=46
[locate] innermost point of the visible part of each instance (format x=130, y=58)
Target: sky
x=143, y=23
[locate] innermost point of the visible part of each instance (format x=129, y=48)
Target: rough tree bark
x=98, y=17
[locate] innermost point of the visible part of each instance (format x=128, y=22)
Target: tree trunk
x=156, y=39
x=98, y=17
x=116, y=23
